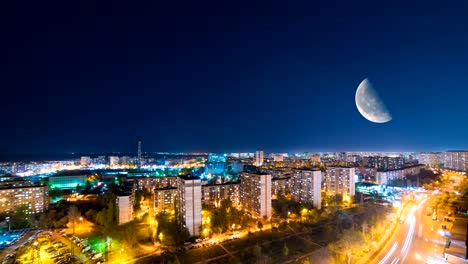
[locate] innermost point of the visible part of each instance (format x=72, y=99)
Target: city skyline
x=203, y=78
x=234, y=132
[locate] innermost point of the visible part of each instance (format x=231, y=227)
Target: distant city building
x=188, y=203
x=113, y=161
x=259, y=158
x=339, y=180
x=215, y=194
x=217, y=157
x=124, y=206
x=456, y=160
x=85, y=161
x=278, y=158
x=431, y=159
x=124, y=160
x=164, y=199
x=365, y=173
x=68, y=180
x=306, y=186
x=100, y=160
x=280, y=186
x=139, y=160
x=16, y=192
x=216, y=168
x=237, y=167
x=383, y=177
x=152, y=183
x=354, y=158
x=342, y=156
x=315, y=158
x=384, y=163
x=255, y=193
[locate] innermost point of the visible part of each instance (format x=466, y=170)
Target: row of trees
x=168, y=232
x=284, y=208
x=226, y=217
x=357, y=231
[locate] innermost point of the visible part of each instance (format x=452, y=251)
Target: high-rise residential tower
x=456, y=160
x=139, y=154
x=189, y=203
x=340, y=180
x=255, y=193
x=306, y=186
x=259, y=156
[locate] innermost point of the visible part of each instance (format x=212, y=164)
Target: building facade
x=259, y=158
x=68, y=181
x=255, y=194
x=124, y=206
x=339, y=180
x=113, y=161
x=384, y=163
x=306, y=186
x=280, y=186
x=85, y=161
x=151, y=183
x=14, y=193
x=431, y=159
x=215, y=194
x=189, y=203
x=164, y=199
x=456, y=160
x=384, y=177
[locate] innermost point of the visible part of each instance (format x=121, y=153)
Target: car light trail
x=390, y=252
x=409, y=236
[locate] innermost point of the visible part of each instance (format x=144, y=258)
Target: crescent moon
x=370, y=105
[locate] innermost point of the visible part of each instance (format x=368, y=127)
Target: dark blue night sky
x=219, y=76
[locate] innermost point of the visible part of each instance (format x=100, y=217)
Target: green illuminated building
x=64, y=182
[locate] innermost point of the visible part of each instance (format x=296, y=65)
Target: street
x=416, y=240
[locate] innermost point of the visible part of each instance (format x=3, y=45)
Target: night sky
x=219, y=76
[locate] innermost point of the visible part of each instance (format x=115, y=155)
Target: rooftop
x=189, y=177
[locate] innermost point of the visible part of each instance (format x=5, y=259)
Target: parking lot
x=81, y=248
x=50, y=247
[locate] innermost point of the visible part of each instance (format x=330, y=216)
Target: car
x=49, y=249
x=54, y=255
x=97, y=256
x=62, y=261
x=86, y=249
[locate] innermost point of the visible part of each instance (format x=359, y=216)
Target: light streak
x=409, y=236
x=390, y=252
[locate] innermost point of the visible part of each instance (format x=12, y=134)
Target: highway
x=416, y=240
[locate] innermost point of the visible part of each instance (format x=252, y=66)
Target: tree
x=168, y=232
x=136, y=204
x=44, y=221
x=260, y=225
x=20, y=218
x=87, y=186
x=73, y=214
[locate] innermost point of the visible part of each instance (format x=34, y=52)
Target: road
x=416, y=240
